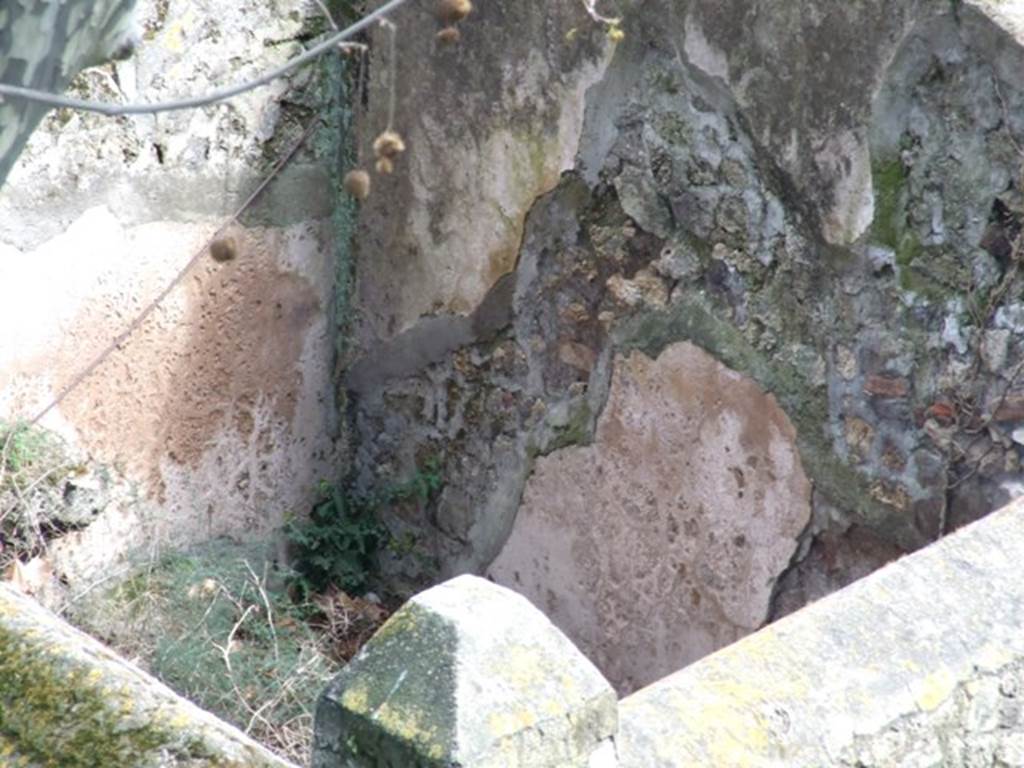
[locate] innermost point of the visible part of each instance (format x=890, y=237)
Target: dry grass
x=218, y=626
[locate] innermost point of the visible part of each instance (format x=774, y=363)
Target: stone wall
x=657, y=539
x=823, y=198
x=43, y=46
x=920, y=663
x=219, y=410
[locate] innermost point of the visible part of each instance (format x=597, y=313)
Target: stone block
x=467, y=674
x=67, y=700
x=662, y=540
x=917, y=664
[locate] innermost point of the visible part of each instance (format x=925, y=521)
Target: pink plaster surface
x=661, y=542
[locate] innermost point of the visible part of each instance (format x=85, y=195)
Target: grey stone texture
x=821, y=196
x=466, y=674
x=674, y=523
x=43, y=46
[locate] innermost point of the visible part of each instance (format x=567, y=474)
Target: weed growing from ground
x=338, y=545
x=34, y=465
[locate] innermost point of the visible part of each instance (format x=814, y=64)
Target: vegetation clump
x=37, y=491
x=338, y=546
x=218, y=626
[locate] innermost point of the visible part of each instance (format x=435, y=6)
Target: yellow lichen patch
x=993, y=657
x=729, y=673
x=505, y=723
x=728, y=702
x=401, y=622
x=7, y=607
x=934, y=690
x=356, y=699
x=569, y=686
x=174, y=35
x=411, y=726
x=553, y=707
x=522, y=667
x=179, y=720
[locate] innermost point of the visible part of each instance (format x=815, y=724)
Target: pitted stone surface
x=466, y=673
x=662, y=541
x=918, y=664
x=219, y=409
x=823, y=197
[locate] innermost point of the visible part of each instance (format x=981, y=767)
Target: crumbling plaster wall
x=819, y=196
x=220, y=407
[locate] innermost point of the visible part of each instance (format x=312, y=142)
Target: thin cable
x=154, y=303
x=221, y=94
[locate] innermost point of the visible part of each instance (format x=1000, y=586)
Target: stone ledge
x=68, y=701
x=900, y=666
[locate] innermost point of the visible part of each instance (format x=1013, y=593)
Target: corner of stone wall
x=920, y=663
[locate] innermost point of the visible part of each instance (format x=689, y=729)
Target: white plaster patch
x=218, y=407
x=1008, y=15
x=469, y=193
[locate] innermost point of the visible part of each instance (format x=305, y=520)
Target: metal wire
x=221, y=94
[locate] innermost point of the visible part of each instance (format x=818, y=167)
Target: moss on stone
x=58, y=716
x=889, y=186
x=807, y=406
x=392, y=699
x=920, y=270
x=578, y=430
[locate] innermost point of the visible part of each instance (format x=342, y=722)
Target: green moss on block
x=890, y=185
x=54, y=716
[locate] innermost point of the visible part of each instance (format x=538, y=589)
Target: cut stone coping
x=467, y=674
x=67, y=701
x=895, y=647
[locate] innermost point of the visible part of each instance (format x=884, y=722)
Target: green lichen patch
x=55, y=715
x=889, y=223
x=397, y=698
x=932, y=273
x=35, y=503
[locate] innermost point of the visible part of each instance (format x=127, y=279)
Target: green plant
x=23, y=447
x=34, y=464
x=339, y=544
x=425, y=482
